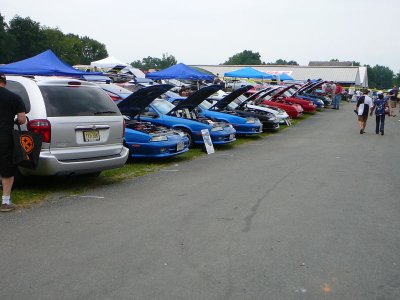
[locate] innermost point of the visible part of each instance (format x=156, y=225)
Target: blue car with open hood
x=244, y=125
x=185, y=117
x=146, y=139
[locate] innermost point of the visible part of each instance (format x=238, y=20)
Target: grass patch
x=37, y=189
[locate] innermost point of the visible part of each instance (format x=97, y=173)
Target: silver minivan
x=81, y=126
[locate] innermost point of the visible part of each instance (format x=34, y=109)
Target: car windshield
x=163, y=106
x=232, y=105
x=205, y=104
x=62, y=101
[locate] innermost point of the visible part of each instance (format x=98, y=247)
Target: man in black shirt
x=10, y=105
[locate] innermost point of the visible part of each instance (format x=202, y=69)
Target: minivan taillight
x=114, y=97
x=41, y=126
x=124, y=127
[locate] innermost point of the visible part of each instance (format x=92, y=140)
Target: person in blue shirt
x=380, y=107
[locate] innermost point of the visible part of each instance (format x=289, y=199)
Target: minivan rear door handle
x=93, y=127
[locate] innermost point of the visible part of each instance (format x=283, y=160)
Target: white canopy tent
x=108, y=62
x=111, y=62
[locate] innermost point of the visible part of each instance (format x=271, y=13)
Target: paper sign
x=207, y=141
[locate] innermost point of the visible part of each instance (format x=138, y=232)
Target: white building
x=346, y=75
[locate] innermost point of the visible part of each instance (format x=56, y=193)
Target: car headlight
x=250, y=120
x=159, y=138
x=217, y=128
x=230, y=126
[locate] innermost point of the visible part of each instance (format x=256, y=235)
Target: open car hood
x=139, y=100
x=254, y=96
x=308, y=87
x=196, y=98
x=281, y=92
x=224, y=102
x=264, y=93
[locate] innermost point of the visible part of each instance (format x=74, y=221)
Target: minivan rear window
x=19, y=89
x=65, y=101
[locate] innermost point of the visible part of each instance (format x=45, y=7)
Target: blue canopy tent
x=249, y=72
x=45, y=64
x=179, y=71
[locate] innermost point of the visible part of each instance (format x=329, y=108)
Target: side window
x=19, y=89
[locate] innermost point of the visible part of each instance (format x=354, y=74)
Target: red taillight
x=41, y=126
x=124, y=127
x=74, y=83
x=114, y=97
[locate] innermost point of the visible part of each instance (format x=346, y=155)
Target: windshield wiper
x=104, y=112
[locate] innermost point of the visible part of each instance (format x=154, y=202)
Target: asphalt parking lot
x=312, y=212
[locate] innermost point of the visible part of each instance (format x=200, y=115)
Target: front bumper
x=228, y=135
x=157, y=149
x=248, y=129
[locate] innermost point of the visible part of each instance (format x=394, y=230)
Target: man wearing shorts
x=10, y=105
x=364, y=104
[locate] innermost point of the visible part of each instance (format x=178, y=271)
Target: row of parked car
x=92, y=126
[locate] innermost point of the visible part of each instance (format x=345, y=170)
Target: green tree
x=396, y=79
x=167, y=61
x=246, y=57
x=283, y=62
x=149, y=62
x=91, y=50
x=72, y=49
x=7, y=43
x=380, y=77
x=30, y=40
x=54, y=40
x=292, y=63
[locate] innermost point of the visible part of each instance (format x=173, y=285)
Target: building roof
x=330, y=64
x=345, y=75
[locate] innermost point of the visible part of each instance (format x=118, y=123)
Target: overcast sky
x=211, y=31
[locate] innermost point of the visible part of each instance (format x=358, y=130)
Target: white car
x=280, y=114
x=81, y=126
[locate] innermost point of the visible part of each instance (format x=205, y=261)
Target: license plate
x=91, y=136
x=180, y=146
x=231, y=136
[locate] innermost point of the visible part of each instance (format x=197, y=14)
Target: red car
x=293, y=110
x=283, y=96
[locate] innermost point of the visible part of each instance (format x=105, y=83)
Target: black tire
x=189, y=136
x=94, y=174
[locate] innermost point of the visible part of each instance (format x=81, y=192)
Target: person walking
x=10, y=105
x=363, y=106
x=380, y=105
x=393, y=100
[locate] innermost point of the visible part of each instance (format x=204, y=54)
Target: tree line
x=379, y=77
x=23, y=38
